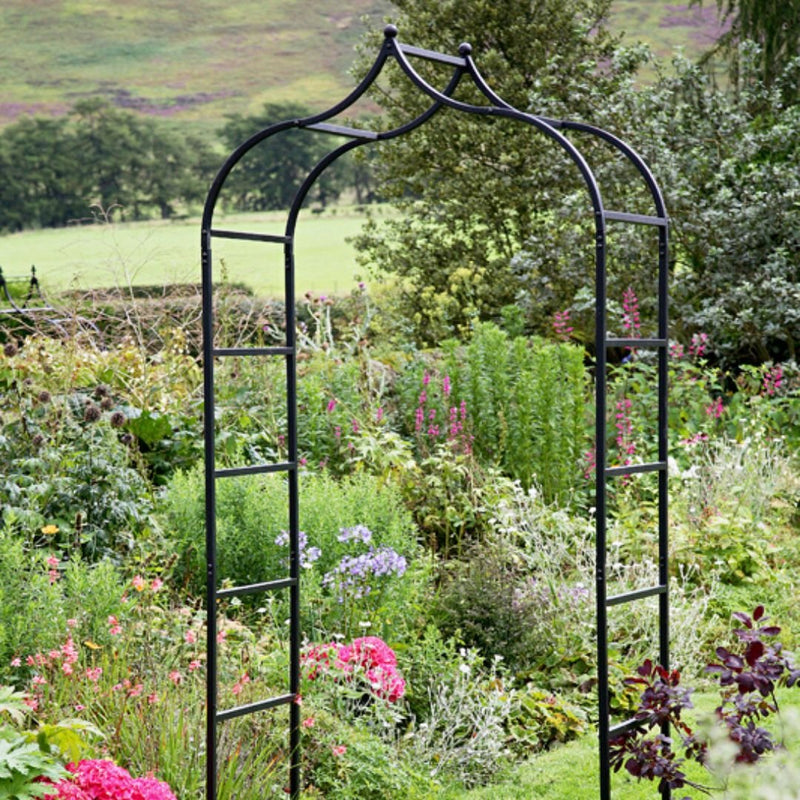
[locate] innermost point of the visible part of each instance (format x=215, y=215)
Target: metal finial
x=390, y=31
x=465, y=49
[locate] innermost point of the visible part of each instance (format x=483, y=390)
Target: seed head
x=91, y=413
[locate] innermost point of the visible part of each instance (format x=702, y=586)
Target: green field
x=157, y=253
x=197, y=62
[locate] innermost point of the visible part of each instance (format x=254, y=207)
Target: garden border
x=463, y=64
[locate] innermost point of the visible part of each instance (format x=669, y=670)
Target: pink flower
x=379, y=414
x=104, y=780
x=156, y=584
x=240, y=684
x=309, y=722
x=561, y=325
x=339, y=749
x=114, y=627
x=136, y=690
x=446, y=388
x=193, y=665
x=16, y=662
x=152, y=699
x=190, y=637
x=331, y=405
x=698, y=346
x=175, y=677
x=715, y=409
x=52, y=561
x=630, y=315
x=66, y=790
x=94, y=674
x=139, y=583
x=71, y=623
x=773, y=380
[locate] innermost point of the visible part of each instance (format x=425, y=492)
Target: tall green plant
x=526, y=401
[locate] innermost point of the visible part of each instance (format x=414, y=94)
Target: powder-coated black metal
x=463, y=65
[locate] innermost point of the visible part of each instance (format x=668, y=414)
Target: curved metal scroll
x=463, y=65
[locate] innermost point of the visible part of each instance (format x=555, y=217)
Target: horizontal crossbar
x=624, y=727
x=252, y=588
x=636, y=342
x=432, y=55
x=255, y=469
x=26, y=310
x=341, y=130
x=633, y=469
x=639, y=594
x=251, y=708
x=638, y=219
x=253, y=351
x=251, y=237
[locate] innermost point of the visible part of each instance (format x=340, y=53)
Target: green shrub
x=37, y=598
x=252, y=516
x=518, y=404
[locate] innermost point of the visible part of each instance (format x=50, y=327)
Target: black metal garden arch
x=463, y=65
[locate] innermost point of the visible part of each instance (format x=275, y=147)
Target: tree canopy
x=470, y=189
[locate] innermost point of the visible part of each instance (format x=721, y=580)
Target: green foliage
x=485, y=603
x=21, y=763
x=66, y=466
x=450, y=246
x=36, y=599
x=541, y=719
x=521, y=404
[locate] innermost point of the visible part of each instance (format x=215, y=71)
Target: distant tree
x=44, y=178
x=136, y=162
x=773, y=24
x=55, y=170
x=270, y=174
x=472, y=190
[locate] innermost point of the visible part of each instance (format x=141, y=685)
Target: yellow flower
x=49, y=530
x=92, y=646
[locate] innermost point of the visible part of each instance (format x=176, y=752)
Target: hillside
x=195, y=62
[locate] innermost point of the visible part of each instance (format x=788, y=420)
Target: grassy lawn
x=146, y=253
x=570, y=772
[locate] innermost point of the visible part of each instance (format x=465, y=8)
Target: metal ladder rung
x=633, y=469
x=431, y=55
x=253, y=351
x=255, y=469
x=624, y=727
x=638, y=219
x=251, y=237
x=252, y=588
x=250, y=708
x=639, y=594
x=341, y=130
x=636, y=342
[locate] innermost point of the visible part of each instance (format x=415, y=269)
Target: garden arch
x=463, y=65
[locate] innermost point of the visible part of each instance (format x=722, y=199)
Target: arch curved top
x=464, y=65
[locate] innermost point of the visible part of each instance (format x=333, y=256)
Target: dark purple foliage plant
x=748, y=676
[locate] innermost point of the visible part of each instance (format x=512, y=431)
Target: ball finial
x=390, y=31
x=465, y=49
